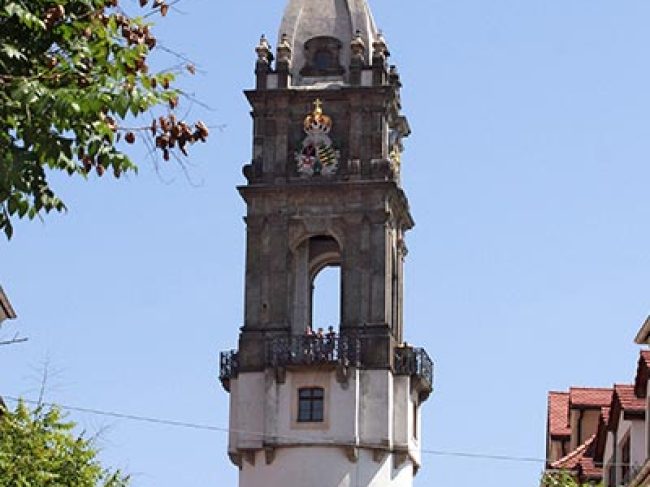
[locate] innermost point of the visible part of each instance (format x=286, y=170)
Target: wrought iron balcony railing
x=307, y=350
x=414, y=362
x=229, y=368
x=310, y=350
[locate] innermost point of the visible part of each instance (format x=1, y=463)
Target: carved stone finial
x=358, y=46
x=394, y=77
x=380, y=47
x=284, y=49
x=318, y=107
x=263, y=50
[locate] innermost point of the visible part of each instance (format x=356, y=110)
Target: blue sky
x=527, y=173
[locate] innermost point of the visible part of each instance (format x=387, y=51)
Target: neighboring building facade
x=6, y=311
x=624, y=449
x=342, y=408
x=604, y=434
x=641, y=473
x=573, y=422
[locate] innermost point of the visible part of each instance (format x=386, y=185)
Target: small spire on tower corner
x=263, y=50
x=284, y=49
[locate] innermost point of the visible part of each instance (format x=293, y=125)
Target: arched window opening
x=325, y=279
x=323, y=57
x=317, y=286
x=326, y=300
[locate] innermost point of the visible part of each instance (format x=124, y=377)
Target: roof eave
x=6, y=310
x=643, y=337
x=560, y=436
x=633, y=414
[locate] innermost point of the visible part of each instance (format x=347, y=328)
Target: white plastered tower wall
x=343, y=408
x=366, y=440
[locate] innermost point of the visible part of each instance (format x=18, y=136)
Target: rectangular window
x=311, y=407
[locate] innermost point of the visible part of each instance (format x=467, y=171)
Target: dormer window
x=323, y=57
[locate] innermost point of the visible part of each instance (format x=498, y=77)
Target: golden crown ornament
x=317, y=156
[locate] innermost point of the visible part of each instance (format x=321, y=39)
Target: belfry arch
x=326, y=299
x=310, y=257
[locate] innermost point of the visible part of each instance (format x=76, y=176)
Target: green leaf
x=12, y=52
x=66, y=90
x=40, y=448
x=9, y=230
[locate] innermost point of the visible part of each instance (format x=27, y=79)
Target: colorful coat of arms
x=317, y=155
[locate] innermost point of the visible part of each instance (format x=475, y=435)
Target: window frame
x=314, y=399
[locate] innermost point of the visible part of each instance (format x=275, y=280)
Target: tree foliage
x=562, y=479
x=72, y=72
x=39, y=449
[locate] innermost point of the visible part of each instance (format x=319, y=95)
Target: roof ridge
x=585, y=388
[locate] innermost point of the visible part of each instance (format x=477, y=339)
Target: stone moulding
x=401, y=454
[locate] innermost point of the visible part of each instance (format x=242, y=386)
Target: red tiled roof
x=573, y=459
x=581, y=461
x=558, y=414
x=629, y=401
x=589, y=470
x=590, y=397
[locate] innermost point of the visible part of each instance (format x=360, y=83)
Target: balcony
x=345, y=351
x=313, y=350
x=229, y=368
x=415, y=362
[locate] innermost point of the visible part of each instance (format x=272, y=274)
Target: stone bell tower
x=341, y=408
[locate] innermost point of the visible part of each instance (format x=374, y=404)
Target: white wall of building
x=636, y=431
x=324, y=467
x=247, y=411
x=376, y=401
x=372, y=410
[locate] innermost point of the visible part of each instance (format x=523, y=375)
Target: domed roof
x=340, y=19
